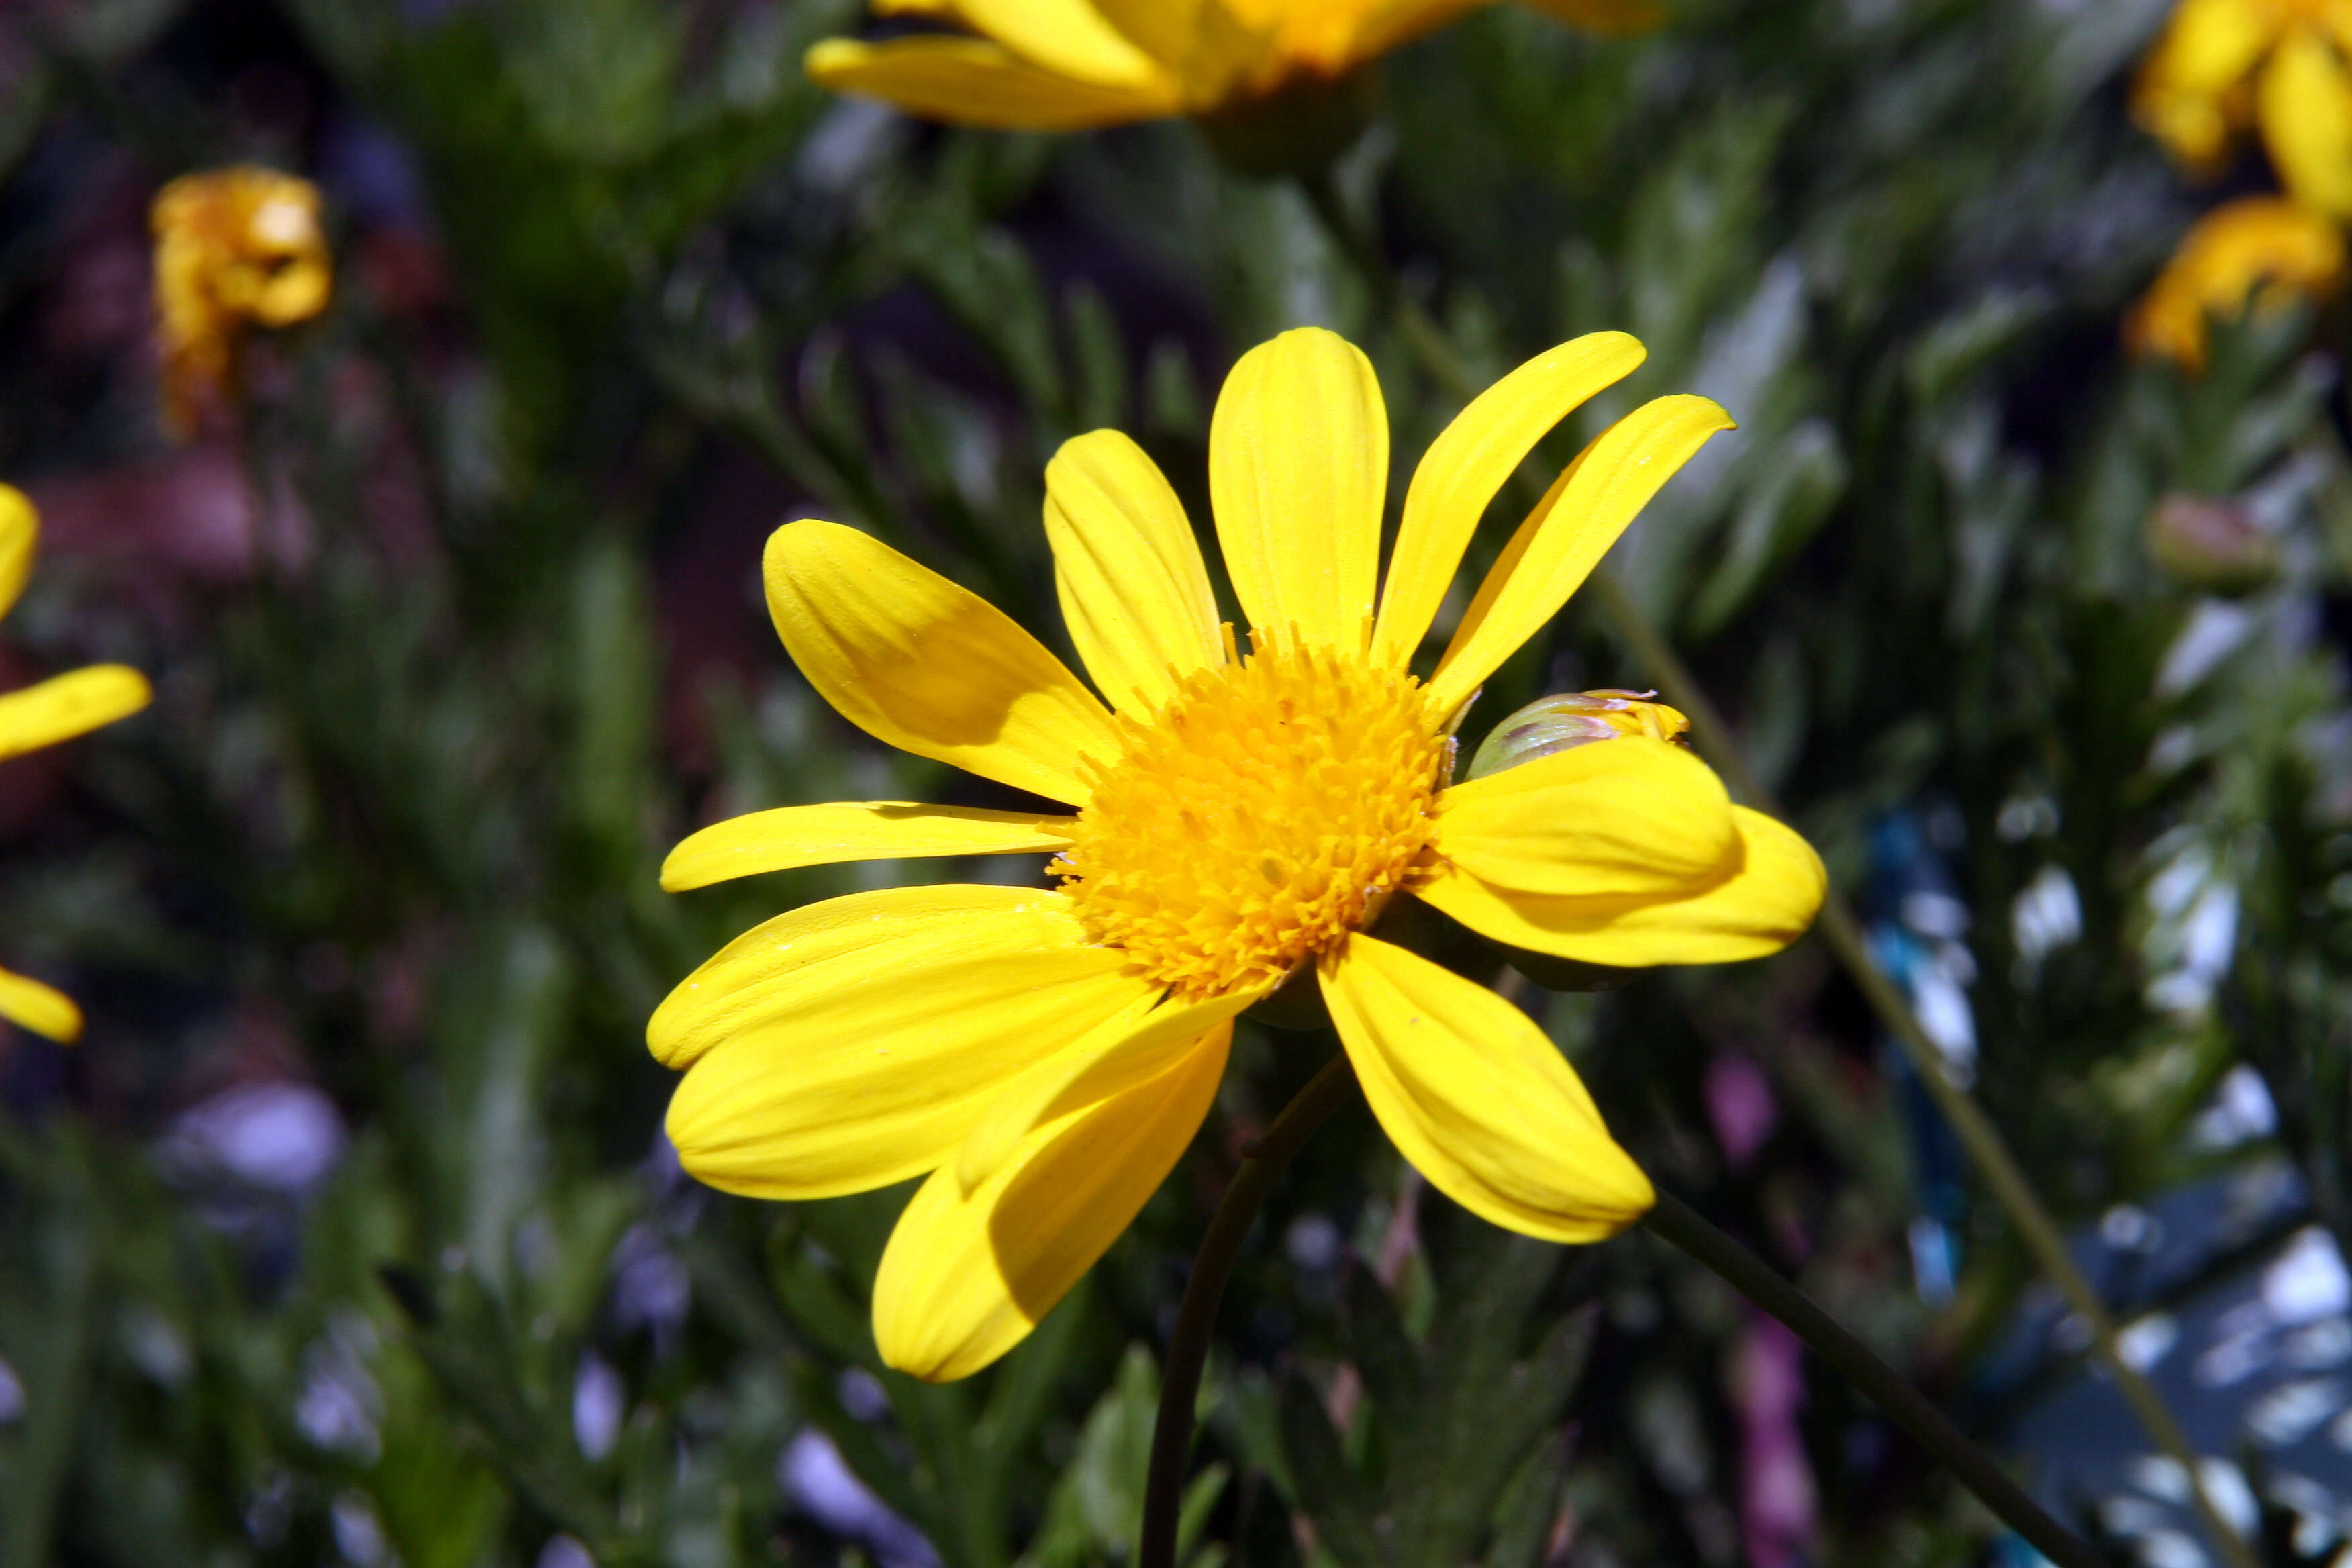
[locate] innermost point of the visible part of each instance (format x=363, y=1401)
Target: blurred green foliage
x=488, y=641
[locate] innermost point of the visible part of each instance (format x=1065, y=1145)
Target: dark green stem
x=1677, y=1222
x=1188, y=1348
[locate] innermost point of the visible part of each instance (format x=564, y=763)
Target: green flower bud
x=2213, y=545
x=1577, y=718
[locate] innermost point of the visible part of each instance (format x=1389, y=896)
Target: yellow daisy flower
x=2223, y=65
x=2258, y=249
x=1241, y=818
x=234, y=248
x=1065, y=65
x=40, y=715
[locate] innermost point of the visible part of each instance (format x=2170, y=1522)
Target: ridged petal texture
x=1468, y=463
x=967, y=1274
x=1298, y=464
x=1566, y=534
x=929, y=667
x=1764, y=899
x=1632, y=817
x=855, y=1043
x=1475, y=1097
x=1134, y=590
x=794, y=836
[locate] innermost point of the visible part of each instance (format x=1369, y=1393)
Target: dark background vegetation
x=348, y=1236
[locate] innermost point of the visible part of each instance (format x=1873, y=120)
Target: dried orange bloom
x=2278, y=64
x=235, y=248
x=1239, y=818
x=1065, y=65
x=2260, y=252
x=40, y=715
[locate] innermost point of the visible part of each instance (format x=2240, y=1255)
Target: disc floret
x=1264, y=812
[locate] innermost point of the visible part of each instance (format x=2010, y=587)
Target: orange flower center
x=1268, y=809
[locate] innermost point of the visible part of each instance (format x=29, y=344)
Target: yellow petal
x=854, y=1043
x=1134, y=591
x=1763, y=905
x=1068, y=38
x=1608, y=17
x=1468, y=463
x=914, y=660
x=2306, y=114
x=1167, y=30
x=1630, y=817
x=794, y=836
x=48, y=1013
x=1111, y=1060
x=1566, y=534
x=2181, y=94
x=970, y=81
x=965, y=1278
x=1475, y=1097
x=1298, y=464
x=2258, y=251
x=67, y=705
x=20, y=530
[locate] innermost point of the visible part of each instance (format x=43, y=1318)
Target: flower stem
x=1676, y=1221
x=1839, y=926
x=1188, y=1348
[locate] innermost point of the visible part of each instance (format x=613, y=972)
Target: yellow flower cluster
x=235, y=248
x=2220, y=68
x=1238, y=821
x=1065, y=65
x=40, y=715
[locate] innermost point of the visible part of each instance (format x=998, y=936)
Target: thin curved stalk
x=1839, y=926
x=1188, y=1348
x=1676, y=1221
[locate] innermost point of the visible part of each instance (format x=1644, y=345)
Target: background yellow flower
x=1062, y=65
x=2260, y=252
x=2223, y=65
x=234, y=248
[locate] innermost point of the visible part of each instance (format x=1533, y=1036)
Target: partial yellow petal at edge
x=1568, y=532
x=20, y=531
x=970, y=81
x=923, y=665
x=1762, y=906
x=2181, y=93
x=1475, y=1097
x=1068, y=38
x=965, y=1278
x=46, y=1011
x=855, y=1043
x=2305, y=106
x=1468, y=462
x=1134, y=590
x=1299, y=469
x=794, y=836
x=67, y=705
